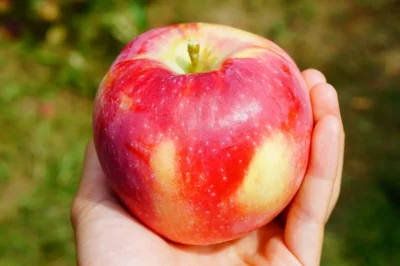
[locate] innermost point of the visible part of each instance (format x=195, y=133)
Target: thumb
x=94, y=198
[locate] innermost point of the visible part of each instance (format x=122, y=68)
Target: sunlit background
x=53, y=55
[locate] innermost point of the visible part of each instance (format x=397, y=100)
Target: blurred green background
x=53, y=55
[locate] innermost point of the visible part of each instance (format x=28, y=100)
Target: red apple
x=203, y=131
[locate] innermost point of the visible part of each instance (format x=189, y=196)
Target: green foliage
x=53, y=55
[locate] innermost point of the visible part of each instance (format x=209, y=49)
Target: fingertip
x=313, y=77
x=91, y=162
x=90, y=149
x=324, y=99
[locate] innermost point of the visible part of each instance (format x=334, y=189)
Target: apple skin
x=203, y=158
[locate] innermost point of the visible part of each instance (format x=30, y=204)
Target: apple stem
x=194, y=52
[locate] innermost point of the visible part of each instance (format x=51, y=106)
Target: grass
x=42, y=141
x=50, y=66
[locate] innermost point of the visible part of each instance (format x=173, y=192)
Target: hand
x=106, y=234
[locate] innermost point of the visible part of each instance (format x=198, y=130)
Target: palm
x=261, y=247
x=135, y=244
x=107, y=235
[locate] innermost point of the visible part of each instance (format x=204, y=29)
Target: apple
x=203, y=131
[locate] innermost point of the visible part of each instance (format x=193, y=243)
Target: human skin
x=106, y=234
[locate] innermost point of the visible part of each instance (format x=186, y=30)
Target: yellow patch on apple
x=268, y=174
x=167, y=188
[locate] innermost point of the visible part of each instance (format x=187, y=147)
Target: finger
x=308, y=212
x=326, y=97
x=325, y=102
x=100, y=221
x=313, y=77
x=93, y=178
x=338, y=179
x=93, y=190
x=306, y=218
